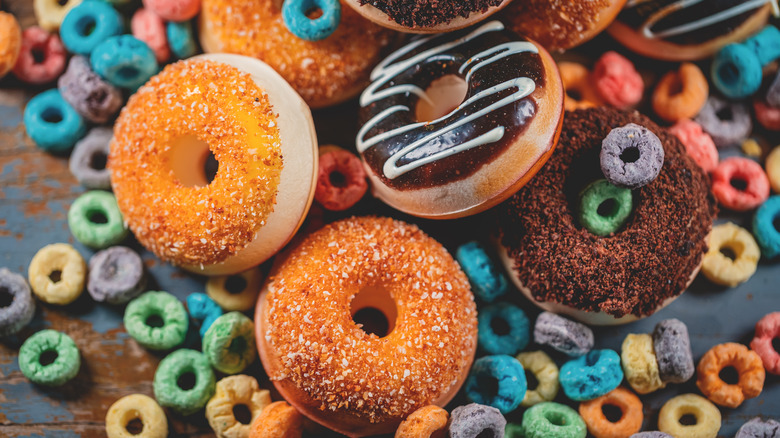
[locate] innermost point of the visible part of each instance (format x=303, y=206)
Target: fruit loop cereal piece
x=751, y=148
x=758, y=428
x=95, y=220
x=727, y=122
x=236, y=292
x=17, y=313
x=721, y=269
x=93, y=98
x=235, y=391
x=772, y=166
x=767, y=329
x=229, y=344
x=87, y=162
x=767, y=116
x=631, y=156
x=180, y=39
x=737, y=68
x=89, y=24
x=672, y=347
x=150, y=28
x=600, y=426
x=471, y=420
x=10, y=42
x=740, y=184
x=513, y=336
x=651, y=434
x=124, y=61
x=136, y=407
x=567, y=336
x=767, y=236
x=278, y=420
x=747, y=363
x=553, y=420
x=57, y=274
x=50, y=13
x=156, y=320
x=545, y=371
x=616, y=81
x=341, y=180
x=639, y=363
x=509, y=375
x=49, y=358
x=698, y=143
x=51, y=123
x=184, y=381
x=426, y=422
x=37, y=42
x=580, y=93
x=294, y=14
x=116, y=275
x=681, y=94
x=487, y=281
x=707, y=417
x=204, y=310
x=592, y=375
x=604, y=208
x=174, y=10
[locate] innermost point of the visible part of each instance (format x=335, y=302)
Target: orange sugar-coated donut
x=427, y=422
x=580, y=93
x=278, y=420
x=746, y=362
x=330, y=369
x=600, y=426
x=681, y=94
x=323, y=72
x=258, y=130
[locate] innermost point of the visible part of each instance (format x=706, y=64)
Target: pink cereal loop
x=698, y=143
x=767, y=116
x=747, y=171
x=617, y=81
x=767, y=328
x=344, y=194
x=150, y=28
x=174, y=10
x=53, y=64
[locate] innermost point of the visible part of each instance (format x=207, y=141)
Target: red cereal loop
x=617, y=81
x=698, y=143
x=729, y=177
x=767, y=329
x=37, y=43
x=767, y=116
x=150, y=28
x=341, y=181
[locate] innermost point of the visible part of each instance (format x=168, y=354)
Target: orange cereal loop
x=278, y=420
x=629, y=422
x=580, y=93
x=747, y=364
x=427, y=422
x=681, y=94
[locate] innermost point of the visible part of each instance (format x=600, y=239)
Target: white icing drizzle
x=387, y=70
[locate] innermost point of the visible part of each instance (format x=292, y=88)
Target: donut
x=326, y=365
x=453, y=124
x=323, y=72
x=259, y=131
x=425, y=16
x=686, y=30
x=618, y=278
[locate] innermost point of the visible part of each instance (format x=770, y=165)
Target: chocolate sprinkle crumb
x=429, y=13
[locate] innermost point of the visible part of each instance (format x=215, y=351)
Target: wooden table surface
x=36, y=190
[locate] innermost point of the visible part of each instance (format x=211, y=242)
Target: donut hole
x=630, y=154
x=374, y=310
x=688, y=420
x=738, y=183
x=85, y=26
x=192, y=162
x=6, y=298
x=235, y=284
x=134, y=426
x=154, y=321
x=728, y=252
x=499, y=326
x=441, y=97
x=729, y=375
x=725, y=113
x=531, y=381
x=607, y=208
x=38, y=55
x=52, y=115
x=98, y=160
x=55, y=276
x=97, y=217
x=242, y=414
x=612, y=413
x=186, y=381
x=728, y=73
x=313, y=13
x=48, y=357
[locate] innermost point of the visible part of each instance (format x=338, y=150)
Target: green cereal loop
x=229, y=343
x=88, y=227
x=164, y=332
x=553, y=420
x=617, y=200
x=43, y=345
x=184, y=381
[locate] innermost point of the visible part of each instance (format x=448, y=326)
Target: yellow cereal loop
x=546, y=372
x=57, y=273
x=151, y=421
x=751, y=148
x=707, y=417
x=772, y=166
x=236, y=292
x=640, y=365
x=50, y=13
x=232, y=391
x=721, y=269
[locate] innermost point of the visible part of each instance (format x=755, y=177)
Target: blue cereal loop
x=511, y=340
x=52, y=123
x=767, y=236
x=497, y=381
x=89, y=24
x=180, y=39
x=203, y=309
x=124, y=61
x=591, y=375
x=305, y=28
x=736, y=71
x=487, y=282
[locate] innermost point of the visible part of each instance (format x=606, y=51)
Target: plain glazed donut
x=259, y=131
x=339, y=375
x=432, y=154
x=323, y=72
x=424, y=16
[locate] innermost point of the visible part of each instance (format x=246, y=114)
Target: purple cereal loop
x=631, y=156
x=92, y=97
x=116, y=275
x=87, y=162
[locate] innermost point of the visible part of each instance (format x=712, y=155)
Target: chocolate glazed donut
x=469, y=158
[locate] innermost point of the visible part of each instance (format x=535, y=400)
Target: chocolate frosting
x=429, y=13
